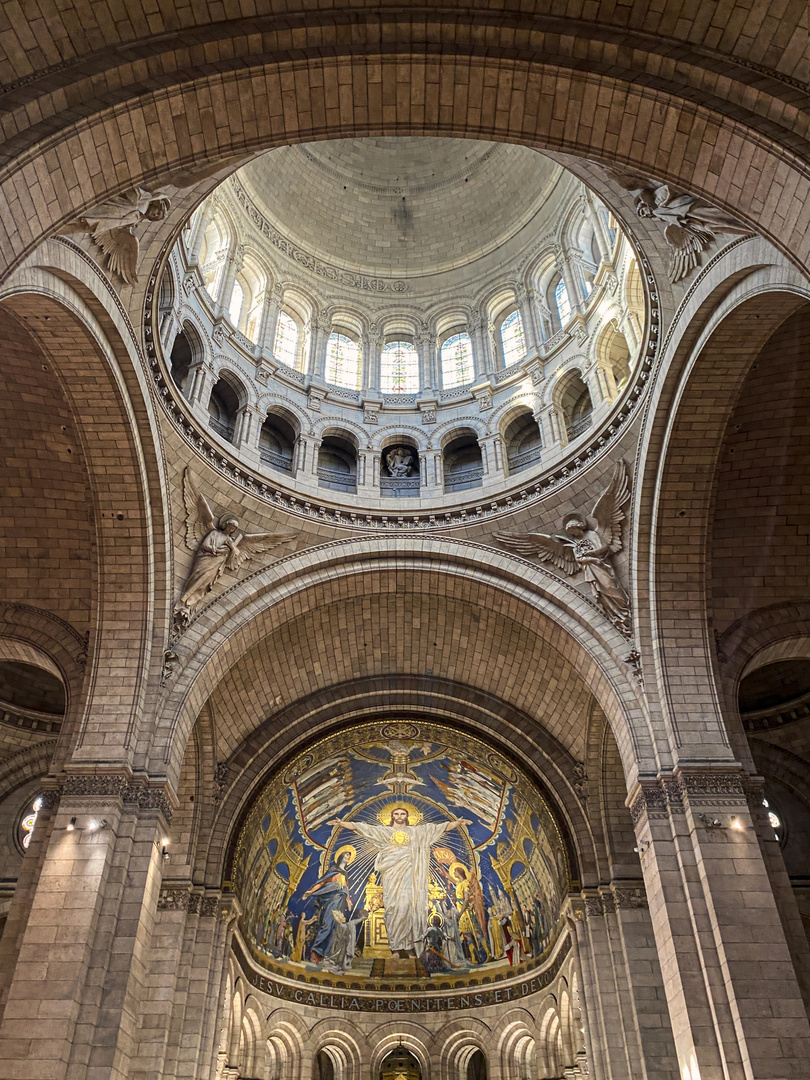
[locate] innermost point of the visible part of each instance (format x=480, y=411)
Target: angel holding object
x=218, y=546
x=582, y=548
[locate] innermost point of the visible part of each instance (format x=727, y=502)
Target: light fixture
x=71, y=825
x=641, y=847
x=710, y=822
x=737, y=824
x=164, y=850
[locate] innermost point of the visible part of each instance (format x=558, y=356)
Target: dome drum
x=443, y=351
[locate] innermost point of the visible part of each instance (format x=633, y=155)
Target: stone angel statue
x=690, y=223
x=112, y=223
x=582, y=548
x=218, y=546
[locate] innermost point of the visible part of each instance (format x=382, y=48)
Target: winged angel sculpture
x=690, y=223
x=112, y=223
x=218, y=546
x=581, y=548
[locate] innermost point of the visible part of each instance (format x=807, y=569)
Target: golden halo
x=454, y=866
x=414, y=815
x=352, y=850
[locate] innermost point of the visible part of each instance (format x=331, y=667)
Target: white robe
x=404, y=870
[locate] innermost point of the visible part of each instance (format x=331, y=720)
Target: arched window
x=285, y=347
x=235, y=306
x=399, y=368
x=562, y=301
x=514, y=345
x=457, y=362
x=28, y=822
x=343, y=361
x=775, y=822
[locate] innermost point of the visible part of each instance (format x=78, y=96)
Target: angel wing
x=199, y=516
x=609, y=512
x=554, y=549
x=686, y=243
x=254, y=544
x=121, y=248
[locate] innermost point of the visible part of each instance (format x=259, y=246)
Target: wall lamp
x=641, y=847
x=91, y=826
x=710, y=822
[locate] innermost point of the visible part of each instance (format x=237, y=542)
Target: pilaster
x=731, y=988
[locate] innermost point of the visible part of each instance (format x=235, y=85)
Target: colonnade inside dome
x=404, y=665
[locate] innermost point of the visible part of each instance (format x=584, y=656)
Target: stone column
x=527, y=319
x=429, y=378
x=195, y=241
x=267, y=329
x=552, y=428
x=601, y=383
x=320, y=329
x=233, y=265
x=247, y=428
x=199, y=384
x=431, y=481
x=602, y=238
x=368, y=472
x=371, y=362
x=734, y=1002
x=73, y=1003
x=564, y=267
x=627, y=1027
x=483, y=358
x=493, y=456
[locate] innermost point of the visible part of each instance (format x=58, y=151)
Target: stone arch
x=686, y=100
x=412, y=1037
x=346, y=1046
x=287, y=1043
x=692, y=404
x=459, y=1041
x=241, y=614
x=515, y=1042
x=91, y=348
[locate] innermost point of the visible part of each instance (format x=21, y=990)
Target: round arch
x=714, y=341
x=229, y=626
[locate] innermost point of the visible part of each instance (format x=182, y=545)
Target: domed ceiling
x=401, y=207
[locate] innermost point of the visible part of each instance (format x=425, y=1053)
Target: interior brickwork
x=684, y=944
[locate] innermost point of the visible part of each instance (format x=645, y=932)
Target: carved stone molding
x=609, y=900
x=672, y=794
x=171, y=899
x=630, y=898
x=119, y=786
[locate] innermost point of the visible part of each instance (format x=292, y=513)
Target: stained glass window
x=562, y=302
x=399, y=369
x=29, y=820
x=235, y=307
x=774, y=820
x=343, y=361
x=285, y=346
x=457, y=364
x=514, y=345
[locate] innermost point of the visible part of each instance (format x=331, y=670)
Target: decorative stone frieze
x=673, y=794
x=174, y=899
x=103, y=787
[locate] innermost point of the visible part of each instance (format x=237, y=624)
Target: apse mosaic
x=400, y=850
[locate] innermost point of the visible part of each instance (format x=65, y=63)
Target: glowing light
x=71, y=825
x=737, y=824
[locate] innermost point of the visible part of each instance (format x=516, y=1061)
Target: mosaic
x=400, y=851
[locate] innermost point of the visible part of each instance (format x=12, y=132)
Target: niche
x=477, y=1066
x=575, y=406
x=337, y=464
x=399, y=472
x=523, y=441
x=277, y=443
x=223, y=406
x=400, y=1065
x=462, y=463
x=180, y=360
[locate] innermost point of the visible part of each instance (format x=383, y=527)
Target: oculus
x=400, y=851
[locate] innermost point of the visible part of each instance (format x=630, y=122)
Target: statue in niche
x=399, y=461
x=581, y=548
x=690, y=223
x=218, y=546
